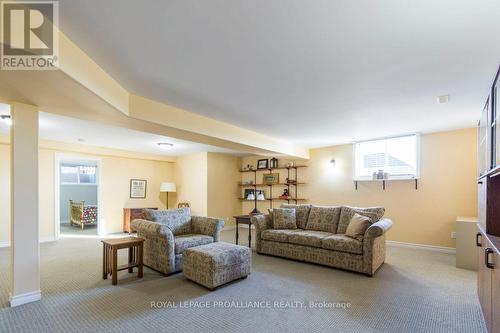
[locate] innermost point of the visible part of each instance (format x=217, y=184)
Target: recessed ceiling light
x=81, y=140
x=6, y=119
x=165, y=145
x=443, y=99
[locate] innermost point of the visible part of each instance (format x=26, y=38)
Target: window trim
x=402, y=177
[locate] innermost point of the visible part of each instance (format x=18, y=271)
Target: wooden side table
x=110, y=261
x=244, y=219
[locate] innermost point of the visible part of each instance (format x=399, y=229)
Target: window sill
x=387, y=180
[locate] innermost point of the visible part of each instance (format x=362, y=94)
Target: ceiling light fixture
x=6, y=119
x=165, y=145
x=443, y=99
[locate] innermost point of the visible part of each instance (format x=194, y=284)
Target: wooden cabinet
x=130, y=214
x=488, y=279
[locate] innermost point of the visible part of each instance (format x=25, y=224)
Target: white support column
x=24, y=248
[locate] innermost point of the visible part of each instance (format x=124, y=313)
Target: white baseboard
x=442, y=249
x=42, y=240
x=25, y=298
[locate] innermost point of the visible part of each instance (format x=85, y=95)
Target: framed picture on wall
x=138, y=188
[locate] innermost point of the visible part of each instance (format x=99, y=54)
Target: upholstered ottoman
x=215, y=264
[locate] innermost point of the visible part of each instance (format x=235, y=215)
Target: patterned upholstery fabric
x=162, y=250
x=308, y=237
x=343, y=243
x=323, y=219
x=284, y=218
x=301, y=214
x=277, y=235
x=207, y=226
x=216, y=264
x=178, y=220
x=183, y=242
x=336, y=250
x=89, y=214
x=374, y=213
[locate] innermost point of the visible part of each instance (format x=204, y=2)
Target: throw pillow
x=284, y=218
x=301, y=213
x=374, y=213
x=323, y=218
x=357, y=226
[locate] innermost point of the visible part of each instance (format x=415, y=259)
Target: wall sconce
x=332, y=162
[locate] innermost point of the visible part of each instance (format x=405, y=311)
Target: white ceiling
x=313, y=72
x=70, y=130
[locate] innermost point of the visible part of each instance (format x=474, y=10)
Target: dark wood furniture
x=110, y=249
x=488, y=236
x=244, y=219
x=130, y=214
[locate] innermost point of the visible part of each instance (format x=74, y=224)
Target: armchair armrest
x=207, y=226
x=378, y=228
x=152, y=229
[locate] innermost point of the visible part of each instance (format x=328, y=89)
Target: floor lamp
x=167, y=187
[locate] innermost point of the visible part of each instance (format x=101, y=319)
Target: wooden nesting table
x=110, y=261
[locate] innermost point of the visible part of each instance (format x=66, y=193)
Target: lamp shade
x=167, y=187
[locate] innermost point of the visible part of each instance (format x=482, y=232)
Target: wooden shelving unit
x=291, y=172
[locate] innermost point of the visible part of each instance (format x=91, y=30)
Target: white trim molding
x=442, y=249
x=25, y=298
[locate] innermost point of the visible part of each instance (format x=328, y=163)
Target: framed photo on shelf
x=138, y=188
x=271, y=179
x=263, y=164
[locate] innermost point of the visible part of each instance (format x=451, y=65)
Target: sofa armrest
x=261, y=223
x=378, y=228
x=207, y=226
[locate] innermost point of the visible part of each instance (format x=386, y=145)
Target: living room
x=265, y=166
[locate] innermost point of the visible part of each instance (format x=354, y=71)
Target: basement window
x=396, y=158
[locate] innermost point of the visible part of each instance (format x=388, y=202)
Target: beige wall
x=116, y=174
x=223, y=189
x=191, y=179
x=447, y=188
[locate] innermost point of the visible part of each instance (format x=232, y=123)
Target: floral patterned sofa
x=320, y=237
x=168, y=232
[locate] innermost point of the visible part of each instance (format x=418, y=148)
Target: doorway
x=78, y=208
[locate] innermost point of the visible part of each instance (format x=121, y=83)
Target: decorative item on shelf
x=290, y=164
x=291, y=181
x=270, y=178
x=247, y=182
x=248, y=167
x=285, y=194
x=260, y=196
x=274, y=163
x=167, y=187
x=249, y=195
x=263, y=164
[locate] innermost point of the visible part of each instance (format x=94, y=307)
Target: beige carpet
x=415, y=291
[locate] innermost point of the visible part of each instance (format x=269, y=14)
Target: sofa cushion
x=284, y=218
x=301, y=213
x=308, y=237
x=186, y=241
x=357, y=226
x=178, y=220
x=342, y=243
x=374, y=213
x=323, y=218
x=277, y=235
